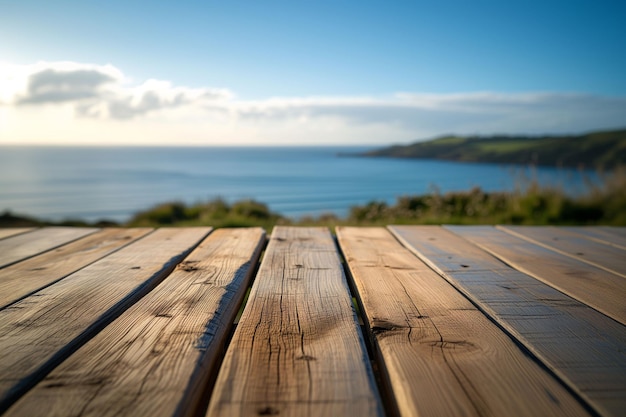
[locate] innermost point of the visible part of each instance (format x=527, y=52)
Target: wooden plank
x=157, y=357
x=442, y=356
x=599, y=234
x=593, y=286
x=297, y=349
x=23, y=278
x=12, y=231
x=606, y=257
x=583, y=347
x=40, y=331
x=616, y=230
x=17, y=248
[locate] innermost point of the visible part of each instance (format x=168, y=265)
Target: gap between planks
x=604, y=235
x=609, y=258
x=8, y=232
x=23, y=246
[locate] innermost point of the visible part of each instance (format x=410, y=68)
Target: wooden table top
x=395, y=321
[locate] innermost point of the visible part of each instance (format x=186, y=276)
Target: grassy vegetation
x=216, y=213
x=502, y=147
x=530, y=203
x=598, y=150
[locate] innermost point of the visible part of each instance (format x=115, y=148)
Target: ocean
x=92, y=183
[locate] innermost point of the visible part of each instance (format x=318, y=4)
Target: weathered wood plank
x=16, y=248
x=442, y=355
x=606, y=257
x=586, y=349
x=41, y=330
x=595, y=287
x=297, y=349
x=8, y=232
x=604, y=235
x=22, y=278
x=619, y=231
x=157, y=357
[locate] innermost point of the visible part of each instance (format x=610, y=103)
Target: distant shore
x=597, y=150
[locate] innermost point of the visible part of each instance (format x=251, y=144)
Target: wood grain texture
x=8, y=232
x=604, y=235
x=41, y=330
x=583, y=347
x=156, y=358
x=16, y=248
x=602, y=256
x=22, y=278
x=297, y=350
x=442, y=356
x=600, y=289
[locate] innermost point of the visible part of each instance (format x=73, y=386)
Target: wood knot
x=380, y=329
x=464, y=266
x=54, y=385
x=135, y=267
x=307, y=358
x=188, y=266
x=381, y=326
x=268, y=411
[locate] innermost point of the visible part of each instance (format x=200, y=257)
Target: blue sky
x=326, y=72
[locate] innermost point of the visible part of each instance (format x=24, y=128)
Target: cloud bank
x=104, y=93
x=99, y=91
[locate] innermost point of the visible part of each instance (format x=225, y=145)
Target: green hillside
x=597, y=150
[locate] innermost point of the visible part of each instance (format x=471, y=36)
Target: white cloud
x=153, y=95
x=92, y=96
x=54, y=82
x=99, y=91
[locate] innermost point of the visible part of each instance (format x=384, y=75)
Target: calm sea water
x=113, y=183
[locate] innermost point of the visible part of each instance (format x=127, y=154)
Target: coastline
x=530, y=203
x=600, y=150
